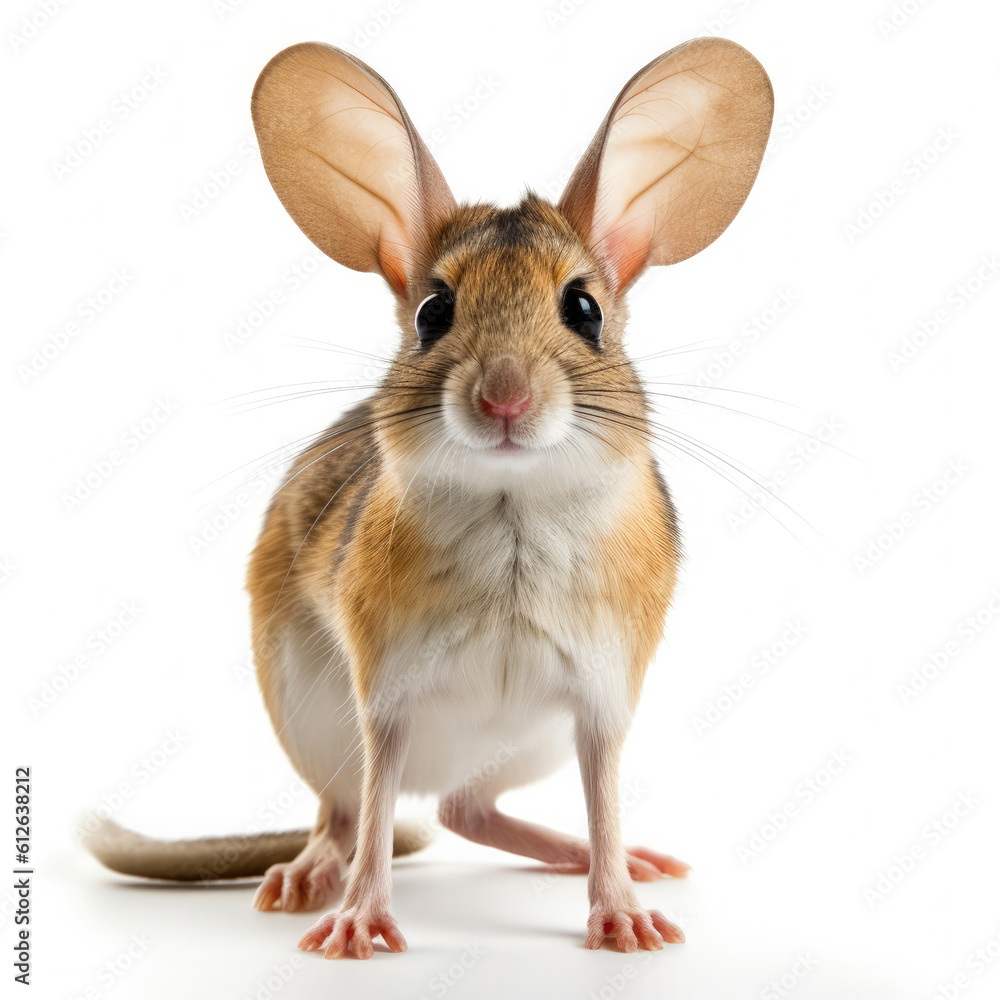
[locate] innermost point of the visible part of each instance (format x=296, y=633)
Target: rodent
x=468, y=573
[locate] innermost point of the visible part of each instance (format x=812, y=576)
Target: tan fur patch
x=341, y=538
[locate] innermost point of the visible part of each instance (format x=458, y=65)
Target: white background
x=860, y=103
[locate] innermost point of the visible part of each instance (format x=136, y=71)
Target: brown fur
x=506, y=266
x=350, y=556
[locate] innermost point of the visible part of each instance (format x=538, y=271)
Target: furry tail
x=211, y=858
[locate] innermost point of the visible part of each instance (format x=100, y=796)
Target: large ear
x=674, y=159
x=346, y=162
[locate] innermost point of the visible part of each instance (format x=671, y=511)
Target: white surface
x=181, y=666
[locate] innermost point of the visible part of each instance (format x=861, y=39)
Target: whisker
x=699, y=450
x=326, y=454
x=399, y=506
x=693, y=347
x=290, y=385
x=294, y=447
x=288, y=452
x=322, y=345
x=722, y=406
x=257, y=404
x=252, y=405
x=722, y=388
x=313, y=525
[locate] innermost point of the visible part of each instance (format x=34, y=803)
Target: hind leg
x=316, y=877
x=307, y=690
x=477, y=818
x=471, y=810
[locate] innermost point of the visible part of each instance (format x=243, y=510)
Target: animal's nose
x=504, y=410
x=505, y=392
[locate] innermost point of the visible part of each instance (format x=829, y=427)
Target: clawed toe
x=351, y=931
x=269, y=890
x=633, y=929
x=299, y=885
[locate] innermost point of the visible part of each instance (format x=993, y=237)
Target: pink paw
x=645, y=865
x=307, y=883
x=352, y=931
x=633, y=928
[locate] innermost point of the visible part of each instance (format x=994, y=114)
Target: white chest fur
x=492, y=680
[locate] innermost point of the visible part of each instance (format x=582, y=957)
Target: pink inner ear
x=626, y=248
x=393, y=266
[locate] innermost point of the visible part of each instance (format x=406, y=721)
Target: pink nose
x=505, y=410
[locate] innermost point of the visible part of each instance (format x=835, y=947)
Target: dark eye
x=582, y=314
x=434, y=316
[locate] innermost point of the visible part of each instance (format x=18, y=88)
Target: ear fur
x=341, y=153
x=674, y=159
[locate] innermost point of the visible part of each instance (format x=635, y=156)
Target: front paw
x=633, y=927
x=351, y=932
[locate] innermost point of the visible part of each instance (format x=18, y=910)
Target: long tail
x=211, y=858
